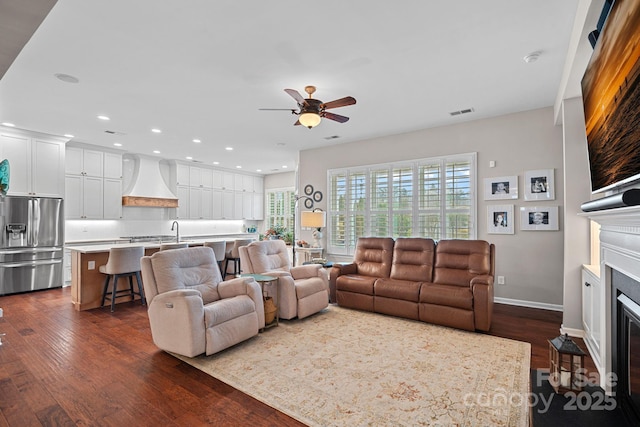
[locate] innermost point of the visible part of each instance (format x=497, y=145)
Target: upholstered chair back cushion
x=413, y=259
x=191, y=268
x=374, y=255
x=268, y=255
x=458, y=261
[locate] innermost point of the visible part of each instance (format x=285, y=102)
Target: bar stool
x=219, y=250
x=122, y=262
x=166, y=246
x=234, y=256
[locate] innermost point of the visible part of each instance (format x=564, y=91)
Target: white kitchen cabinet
x=182, y=192
x=37, y=164
x=200, y=177
x=84, y=197
x=247, y=183
x=228, y=204
x=247, y=206
x=112, y=200
x=258, y=184
x=113, y=165
x=592, y=301
x=200, y=203
x=228, y=181
x=218, y=211
x=93, y=184
x=81, y=161
x=182, y=174
x=218, y=181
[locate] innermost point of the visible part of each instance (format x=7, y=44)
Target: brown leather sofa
x=449, y=283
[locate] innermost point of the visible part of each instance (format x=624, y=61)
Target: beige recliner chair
x=304, y=290
x=191, y=310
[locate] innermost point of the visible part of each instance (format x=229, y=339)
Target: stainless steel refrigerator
x=31, y=243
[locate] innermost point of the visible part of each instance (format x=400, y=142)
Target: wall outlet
x=501, y=280
x=1, y=313
x=91, y=265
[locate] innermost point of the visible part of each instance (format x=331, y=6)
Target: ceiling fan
x=313, y=110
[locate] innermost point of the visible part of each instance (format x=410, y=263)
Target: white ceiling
x=202, y=69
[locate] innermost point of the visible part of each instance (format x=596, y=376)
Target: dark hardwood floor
x=60, y=367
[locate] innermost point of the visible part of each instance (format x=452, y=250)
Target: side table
x=263, y=280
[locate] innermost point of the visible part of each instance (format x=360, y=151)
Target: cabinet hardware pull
x=587, y=284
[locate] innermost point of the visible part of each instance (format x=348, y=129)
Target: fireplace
x=625, y=343
x=619, y=347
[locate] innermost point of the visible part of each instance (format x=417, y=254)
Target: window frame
x=417, y=209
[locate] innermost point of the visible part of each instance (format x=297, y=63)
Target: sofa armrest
x=341, y=269
x=482, y=302
x=177, y=322
x=336, y=271
x=305, y=271
x=234, y=287
x=484, y=279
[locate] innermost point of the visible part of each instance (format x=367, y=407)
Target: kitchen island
x=87, y=282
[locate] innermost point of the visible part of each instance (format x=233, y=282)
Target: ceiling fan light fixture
x=309, y=119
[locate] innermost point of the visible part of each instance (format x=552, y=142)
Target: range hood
x=147, y=188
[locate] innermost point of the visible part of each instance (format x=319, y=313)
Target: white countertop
x=109, y=243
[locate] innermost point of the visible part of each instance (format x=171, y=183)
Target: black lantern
x=566, y=364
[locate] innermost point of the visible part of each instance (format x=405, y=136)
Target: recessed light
x=117, y=144
x=7, y=124
x=229, y=148
x=68, y=135
x=216, y=163
x=189, y=158
x=238, y=167
x=156, y=152
x=197, y=141
x=532, y=57
x=67, y=78
x=281, y=144
x=104, y=117
x=156, y=130
x=258, y=170
x=285, y=166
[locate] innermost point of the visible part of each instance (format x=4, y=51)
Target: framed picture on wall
x=502, y=187
x=539, y=185
x=539, y=218
x=500, y=219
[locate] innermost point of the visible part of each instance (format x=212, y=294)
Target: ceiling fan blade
x=296, y=95
x=335, y=117
x=342, y=102
x=277, y=109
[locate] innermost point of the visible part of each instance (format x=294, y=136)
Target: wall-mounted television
x=611, y=96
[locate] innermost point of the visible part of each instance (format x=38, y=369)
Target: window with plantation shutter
x=432, y=198
x=279, y=210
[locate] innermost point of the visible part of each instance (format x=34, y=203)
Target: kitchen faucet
x=175, y=224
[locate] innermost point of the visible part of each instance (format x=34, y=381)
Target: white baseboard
x=530, y=304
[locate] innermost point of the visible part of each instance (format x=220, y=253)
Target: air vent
x=465, y=111
x=328, y=138
x=113, y=132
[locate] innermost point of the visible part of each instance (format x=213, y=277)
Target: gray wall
x=531, y=261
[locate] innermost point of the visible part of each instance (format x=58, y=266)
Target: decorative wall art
x=539, y=218
x=500, y=219
x=539, y=185
x=502, y=187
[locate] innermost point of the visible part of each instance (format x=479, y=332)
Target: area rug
x=344, y=367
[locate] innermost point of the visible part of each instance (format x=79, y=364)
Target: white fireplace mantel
x=619, y=250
